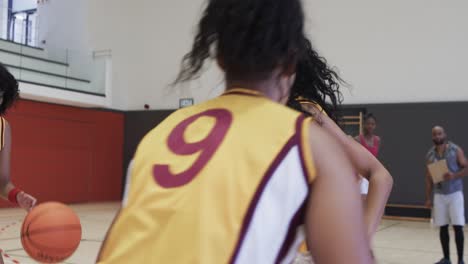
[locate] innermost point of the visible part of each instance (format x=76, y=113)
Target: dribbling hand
x=26, y=201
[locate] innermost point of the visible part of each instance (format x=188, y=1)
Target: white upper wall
x=389, y=51
x=395, y=51
x=148, y=38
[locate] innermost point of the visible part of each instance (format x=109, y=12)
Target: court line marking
x=5, y=255
x=387, y=227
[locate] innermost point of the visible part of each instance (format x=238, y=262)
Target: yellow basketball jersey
x=220, y=182
x=306, y=102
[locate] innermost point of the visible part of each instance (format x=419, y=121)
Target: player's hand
x=428, y=203
x=449, y=176
x=26, y=201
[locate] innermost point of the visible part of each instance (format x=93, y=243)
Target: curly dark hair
x=369, y=116
x=316, y=82
x=250, y=38
x=9, y=88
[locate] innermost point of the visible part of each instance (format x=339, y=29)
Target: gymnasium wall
x=63, y=24
x=388, y=51
x=70, y=154
x=66, y=154
x=394, y=51
x=151, y=39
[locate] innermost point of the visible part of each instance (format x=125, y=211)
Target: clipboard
x=437, y=170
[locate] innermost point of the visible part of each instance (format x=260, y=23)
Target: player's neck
x=368, y=135
x=264, y=87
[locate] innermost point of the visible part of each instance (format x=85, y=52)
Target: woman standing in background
x=371, y=142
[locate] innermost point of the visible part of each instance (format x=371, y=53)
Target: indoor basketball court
x=95, y=77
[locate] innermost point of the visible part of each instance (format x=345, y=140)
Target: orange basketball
x=51, y=232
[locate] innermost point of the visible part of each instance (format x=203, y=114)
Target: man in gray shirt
x=448, y=206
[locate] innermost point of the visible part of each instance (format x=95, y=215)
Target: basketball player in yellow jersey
x=231, y=179
x=8, y=95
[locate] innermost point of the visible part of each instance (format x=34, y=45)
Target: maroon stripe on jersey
x=243, y=92
x=253, y=204
x=299, y=125
x=296, y=221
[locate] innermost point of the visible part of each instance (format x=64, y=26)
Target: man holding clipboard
x=446, y=165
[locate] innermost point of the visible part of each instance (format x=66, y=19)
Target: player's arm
x=5, y=184
x=334, y=222
x=7, y=190
x=462, y=162
x=380, y=180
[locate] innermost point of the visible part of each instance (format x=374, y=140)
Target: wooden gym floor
x=397, y=242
